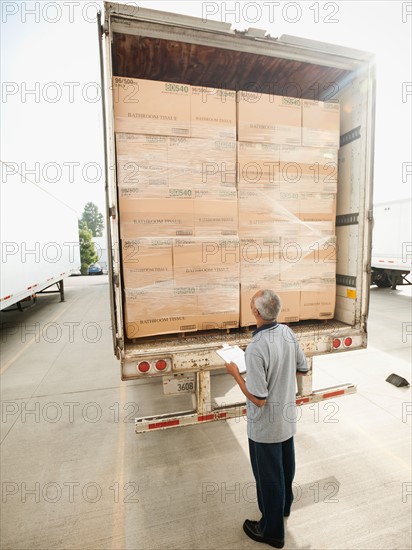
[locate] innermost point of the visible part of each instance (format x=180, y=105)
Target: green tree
x=93, y=219
x=88, y=254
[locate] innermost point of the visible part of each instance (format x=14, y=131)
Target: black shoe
x=251, y=528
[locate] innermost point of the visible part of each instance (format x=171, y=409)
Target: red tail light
x=348, y=341
x=144, y=366
x=161, y=364
x=336, y=343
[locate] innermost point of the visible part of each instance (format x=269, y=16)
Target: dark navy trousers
x=273, y=466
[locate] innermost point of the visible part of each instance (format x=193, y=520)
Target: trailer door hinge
x=112, y=212
x=116, y=279
x=370, y=215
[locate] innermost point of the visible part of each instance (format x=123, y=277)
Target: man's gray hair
x=268, y=304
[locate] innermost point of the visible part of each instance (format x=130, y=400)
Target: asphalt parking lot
x=75, y=474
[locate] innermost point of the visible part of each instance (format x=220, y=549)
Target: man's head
x=265, y=306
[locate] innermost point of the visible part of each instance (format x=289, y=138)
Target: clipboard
x=235, y=354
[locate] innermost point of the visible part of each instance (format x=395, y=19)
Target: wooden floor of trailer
x=75, y=474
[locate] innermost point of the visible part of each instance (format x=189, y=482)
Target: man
x=272, y=360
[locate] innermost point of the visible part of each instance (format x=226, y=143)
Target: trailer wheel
x=381, y=280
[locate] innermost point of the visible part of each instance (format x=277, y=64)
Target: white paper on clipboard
x=235, y=354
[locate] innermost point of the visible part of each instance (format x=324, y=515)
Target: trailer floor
x=75, y=475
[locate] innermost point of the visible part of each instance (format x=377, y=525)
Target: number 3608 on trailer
x=178, y=384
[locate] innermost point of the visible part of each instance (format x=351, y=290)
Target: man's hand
x=232, y=369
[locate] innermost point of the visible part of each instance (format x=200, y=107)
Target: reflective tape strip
x=205, y=417
x=164, y=424
x=333, y=394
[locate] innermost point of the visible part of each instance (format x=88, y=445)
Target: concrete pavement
x=75, y=475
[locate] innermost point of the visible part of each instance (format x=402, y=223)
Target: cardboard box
x=213, y=113
x=288, y=292
x=259, y=259
x=166, y=308
x=307, y=257
x=317, y=230
x=151, y=107
x=269, y=118
x=317, y=299
x=258, y=164
x=320, y=124
x=216, y=212
x=142, y=161
x=151, y=164
x=159, y=309
x=268, y=213
x=201, y=162
x=317, y=212
x=151, y=217
x=201, y=261
x=308, y=169
x=147, y=261
x=218, y=306
x=317, y=207
x=152, y=192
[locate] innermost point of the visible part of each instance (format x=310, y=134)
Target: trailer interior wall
x=217, y=57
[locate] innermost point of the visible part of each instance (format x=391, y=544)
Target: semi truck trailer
x=183, y=52
x=39, y=241
x=391, y=243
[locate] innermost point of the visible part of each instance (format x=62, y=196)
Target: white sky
x=57, y=43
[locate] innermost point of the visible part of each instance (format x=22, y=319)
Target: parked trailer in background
x=168, y=47
x=39, y=242
x=392, y=243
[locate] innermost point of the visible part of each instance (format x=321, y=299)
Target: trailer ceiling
x=151, y=58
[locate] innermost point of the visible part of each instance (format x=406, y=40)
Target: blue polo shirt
x=272, y=359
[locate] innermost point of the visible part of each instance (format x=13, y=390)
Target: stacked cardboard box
x=269, y=118
x=201, y=212
x=151, y=107
x=311, y=169
x=211, y=265
x=320, y=124
x=147, y=261
x=160, y=308
x=320, y=135
x=178, y=209
x=287, y=192
x=258, y=164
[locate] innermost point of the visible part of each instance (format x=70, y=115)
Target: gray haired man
x=272, y=360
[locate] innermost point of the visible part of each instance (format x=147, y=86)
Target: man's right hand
x=232, y=369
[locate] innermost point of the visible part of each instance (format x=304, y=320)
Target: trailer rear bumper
x=238, y=410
